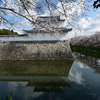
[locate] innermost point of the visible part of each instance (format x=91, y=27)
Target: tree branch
x=17, y=13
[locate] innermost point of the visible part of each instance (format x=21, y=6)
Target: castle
x=43, y=42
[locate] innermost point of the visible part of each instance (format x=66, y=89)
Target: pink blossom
x=89, y=40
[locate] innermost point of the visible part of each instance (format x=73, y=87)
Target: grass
x=92, y=51
x=8, y=98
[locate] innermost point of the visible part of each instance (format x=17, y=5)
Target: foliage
x=96, y=4
x=7, y=32
x=89, y=45
x=92, y=51
x=8, y=98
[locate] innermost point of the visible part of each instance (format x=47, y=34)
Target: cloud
x=19, y=89
x=81, y=65
x=70, y=8
x=76, y=76
x=12, y=85
x=73, y=10
x=90, y=27
x=83, y=23
x=1, y=26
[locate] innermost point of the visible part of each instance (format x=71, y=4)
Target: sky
x=87, y=27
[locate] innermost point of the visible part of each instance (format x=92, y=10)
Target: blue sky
x=87, y=27
x=93, y=25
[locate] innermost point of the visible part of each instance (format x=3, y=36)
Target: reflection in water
x=35, y=68
x=76, y=76
x=21, y=92
x=31, y=77
x=89, y=61
x=49, y=80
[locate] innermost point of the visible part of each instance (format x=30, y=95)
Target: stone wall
x=35, y=50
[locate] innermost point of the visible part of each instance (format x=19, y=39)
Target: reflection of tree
x=92, y=62
x=94, y=96
x=8, y=98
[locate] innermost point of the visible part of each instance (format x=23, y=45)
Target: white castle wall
x=35, y=37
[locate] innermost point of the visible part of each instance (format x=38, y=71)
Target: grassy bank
x=92, y=51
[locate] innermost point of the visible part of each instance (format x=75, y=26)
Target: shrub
x=7, y=32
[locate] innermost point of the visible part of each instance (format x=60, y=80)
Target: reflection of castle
x=49, y=81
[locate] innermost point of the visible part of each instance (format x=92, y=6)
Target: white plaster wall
x=36, y=37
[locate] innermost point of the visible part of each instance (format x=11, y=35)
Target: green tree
x=1, y=32
x=96, y=4
x=7, y=32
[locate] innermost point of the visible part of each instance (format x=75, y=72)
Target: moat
x=77, y=79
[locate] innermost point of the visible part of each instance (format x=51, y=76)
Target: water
x=51, y=80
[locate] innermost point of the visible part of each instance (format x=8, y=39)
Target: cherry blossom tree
x=18, y=13
x=92, y=40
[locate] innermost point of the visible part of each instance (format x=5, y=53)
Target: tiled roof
x=35, y=30
x=49, y=18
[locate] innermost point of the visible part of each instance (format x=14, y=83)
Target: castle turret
x=48, y=28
